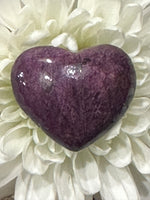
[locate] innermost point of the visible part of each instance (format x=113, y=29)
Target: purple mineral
x=74, y=97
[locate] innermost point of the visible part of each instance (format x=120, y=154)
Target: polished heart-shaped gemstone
x=74, y=97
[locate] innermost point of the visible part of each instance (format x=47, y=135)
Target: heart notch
x=74, y=97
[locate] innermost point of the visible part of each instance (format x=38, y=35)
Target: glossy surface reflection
x=74, y=98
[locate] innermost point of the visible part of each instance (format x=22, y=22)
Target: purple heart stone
x=74, y=97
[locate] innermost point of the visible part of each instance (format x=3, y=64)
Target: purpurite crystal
x=74, y=97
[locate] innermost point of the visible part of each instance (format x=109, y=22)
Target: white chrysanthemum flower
x=118, y=164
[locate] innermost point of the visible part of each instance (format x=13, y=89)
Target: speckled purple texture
x=74, y=97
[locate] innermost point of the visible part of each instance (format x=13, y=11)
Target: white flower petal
x=78, y=193
x=65, y=182
x=145, y=182
x=132, y=46
x=100, y=147
x=145, y=50
x=142, y=184
x=143, y=90
x=143, y=3
x=141, y=77
x=6, y=95
x=136, y=124
x=141, y=155
x=146, y=23
x=3, y=158
x=109, y=36
x=139, y=62
x=31, y=124
x=86, y=172
x=54, y=147
x=108, y=10
x=44, y=153
x=22, y=114
x=117, y=183
x=34, y=37
x=4, y=38
x=5, y=126
x=53, y=29
x=46, y=10
x=31, y=162
x=5, y=68
x=14, y=141
x=76, y=20
x=120, y=154
x=70, y=4
x=139, y=106
x=131, y=18
x=87, y=37
x=11, y=114
x=68, y=153
x=18, y=40
x=10, y=171
x=145, y=40
x=113, y=132
x=39, y=136
x=146, y=138
x=22, y=186
x=29, y=187
x=92, y=25
x=65, y=40
x=13, y=8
